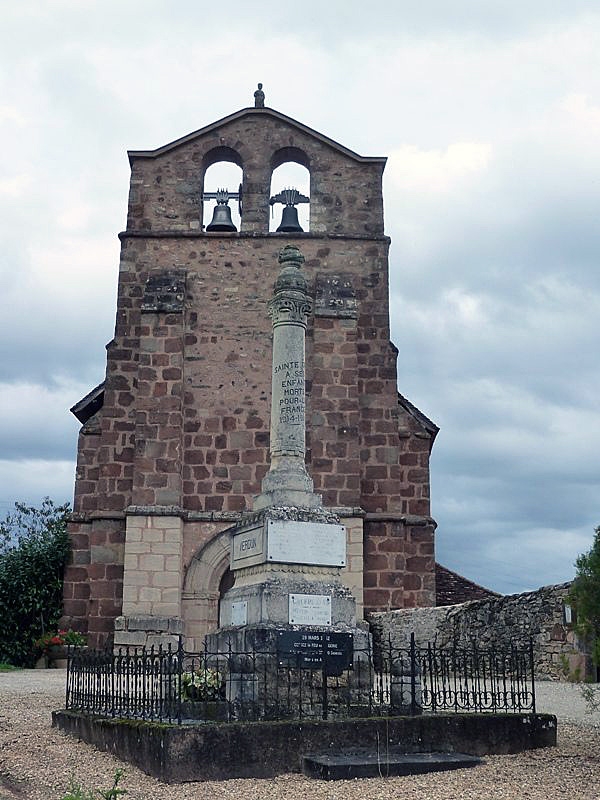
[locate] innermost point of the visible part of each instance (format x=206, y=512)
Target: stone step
x=367, y=763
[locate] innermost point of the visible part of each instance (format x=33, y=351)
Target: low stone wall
x=502, y=621
x=178, y=753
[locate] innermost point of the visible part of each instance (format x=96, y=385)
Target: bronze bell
x=221, y=220
x=289, y=221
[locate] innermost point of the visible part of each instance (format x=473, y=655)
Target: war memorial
x=175, y=442
x=250, y=485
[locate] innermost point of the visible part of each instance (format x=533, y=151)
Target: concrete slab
x=370, y=764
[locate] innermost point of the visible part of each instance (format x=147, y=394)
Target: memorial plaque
x=239, y=613
x=330, y=651
x=309, y=609
x=315, y=543
x=247, y=548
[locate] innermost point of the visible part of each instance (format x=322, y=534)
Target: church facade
x=175, y=442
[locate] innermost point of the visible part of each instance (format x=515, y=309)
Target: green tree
x=34, y=548
x=585, y=596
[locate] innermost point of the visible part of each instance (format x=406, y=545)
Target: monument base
x=287, y=563
x=289, y=599
x=288, y=625
x=276, y=671
x=287, y=483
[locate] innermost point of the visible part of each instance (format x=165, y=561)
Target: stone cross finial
x=259, y=97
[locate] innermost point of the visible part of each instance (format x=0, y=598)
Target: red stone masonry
x=333, y=414
x=157, y=476
x=184, y=421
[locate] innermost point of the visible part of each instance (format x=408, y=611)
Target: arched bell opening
x=289, y=197
x=222, y=191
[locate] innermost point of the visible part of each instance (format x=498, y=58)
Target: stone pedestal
x=281, y=558
x=287, y=564
x=263, y=682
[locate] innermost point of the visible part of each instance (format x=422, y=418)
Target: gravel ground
x=36, y=760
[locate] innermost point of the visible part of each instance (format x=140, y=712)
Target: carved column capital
x=290, y=308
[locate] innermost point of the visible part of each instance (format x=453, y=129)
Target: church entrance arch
x=207, y=578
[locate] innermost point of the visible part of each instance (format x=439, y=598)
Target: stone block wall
x=173, y=567
x=352, y=574
x=147, y=631
x=507, y=621
x=93, y=582
x=153, y=565
x=399, y=563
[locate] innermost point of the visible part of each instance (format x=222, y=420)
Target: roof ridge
x=265, y=111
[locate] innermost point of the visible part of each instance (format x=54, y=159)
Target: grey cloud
x=35, y=423
x=31, y=480
x=512, y=535
x=135, y=20
x=512, y=379
x=51, y=338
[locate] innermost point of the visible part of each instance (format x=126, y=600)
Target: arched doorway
x=207, y=578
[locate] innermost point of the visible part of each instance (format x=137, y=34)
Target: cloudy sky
x=489, y=113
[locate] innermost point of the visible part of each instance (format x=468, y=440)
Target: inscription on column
x=289, y=376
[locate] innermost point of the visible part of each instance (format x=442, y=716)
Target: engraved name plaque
x=306, y=543
x=247, y=548
x=309, y=609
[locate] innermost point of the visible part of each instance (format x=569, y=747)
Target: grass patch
x=77, y=792
x=7, y=667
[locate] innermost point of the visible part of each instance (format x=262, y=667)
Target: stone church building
x=175, y=442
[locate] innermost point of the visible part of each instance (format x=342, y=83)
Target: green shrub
x=77, y=792
x=34, y=548
x=585, y=596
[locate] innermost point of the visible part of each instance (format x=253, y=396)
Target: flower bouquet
x=54, y=645
x=204, y=683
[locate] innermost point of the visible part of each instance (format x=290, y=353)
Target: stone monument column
x=288, y=483
x=287, y=554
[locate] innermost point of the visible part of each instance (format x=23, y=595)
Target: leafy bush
x=585, y=596
x=34, y=548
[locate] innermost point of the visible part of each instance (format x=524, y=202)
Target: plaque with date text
x=305, y=649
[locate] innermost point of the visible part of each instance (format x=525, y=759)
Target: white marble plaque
x=306, y=543
x=247, y=548
x=309, y=609
x=239, y=613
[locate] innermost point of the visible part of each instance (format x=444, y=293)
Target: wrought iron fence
x=173, y=685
